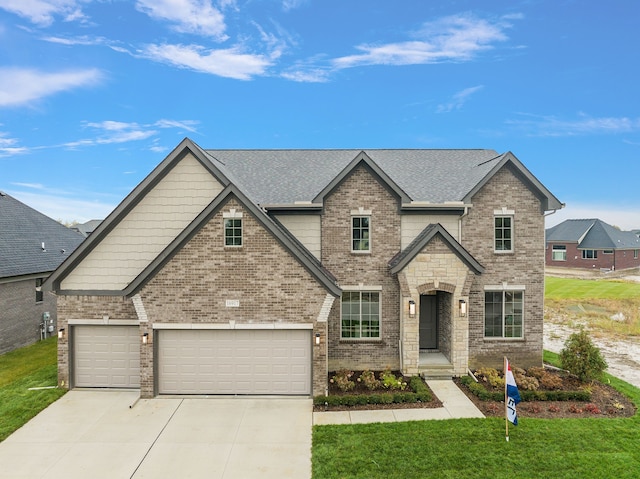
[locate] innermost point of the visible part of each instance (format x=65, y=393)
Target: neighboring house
x=260, y=271
x=591, y=244
x=85, y=229
x=32, y=245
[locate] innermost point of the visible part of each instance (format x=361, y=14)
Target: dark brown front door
x=428, y=328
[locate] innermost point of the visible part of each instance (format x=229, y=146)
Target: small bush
x=537, y=372
x=390, y=381
x=491, y=376
x=368, y=378
x=342, y=380
x=527, y=383
x=582, y=358
x=554, y=408
x=592, y=408
x=550, y=381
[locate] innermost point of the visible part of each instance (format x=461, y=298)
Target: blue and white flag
x=512, y=395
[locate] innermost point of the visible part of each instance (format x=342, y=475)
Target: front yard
x=597, y=447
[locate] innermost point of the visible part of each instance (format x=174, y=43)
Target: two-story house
x=259, y=271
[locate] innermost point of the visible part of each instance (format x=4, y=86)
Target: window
x=503, y=230
x=607, y=251
x=635, y=254
x=360, y=315
x=233, y=232
x=39, y=292
x=559, y=252
x=503, y=314
x=360, y=234
x=589, y=254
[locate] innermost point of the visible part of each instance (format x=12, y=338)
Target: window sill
x=504, y=339
x=503, y=252
x=360, y=252
x=360, y=341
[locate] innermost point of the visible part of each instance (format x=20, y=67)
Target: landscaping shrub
x=582, y=358
x=368, y=378
x=491, y=376
x=342, y=379
x=390, y=381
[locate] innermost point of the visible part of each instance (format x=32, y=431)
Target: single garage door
x=234, y=362
x=106, y=356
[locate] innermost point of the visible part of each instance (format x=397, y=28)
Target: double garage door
x=189, y=361
x=234, y=362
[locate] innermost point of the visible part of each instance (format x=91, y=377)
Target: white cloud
x=43, y=12
x=188, y=125
x=288, y=5
x=229, y=63
x=60, y=206
x=199, y=17
x=583, y=125
x=452, y=38
x=20, y=86
x=459, y=99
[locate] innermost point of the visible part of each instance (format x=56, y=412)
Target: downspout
x=466, y=212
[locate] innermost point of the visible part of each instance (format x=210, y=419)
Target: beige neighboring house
x=260, y=271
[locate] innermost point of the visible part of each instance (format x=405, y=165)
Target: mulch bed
x=360, y=389
x=605, y=402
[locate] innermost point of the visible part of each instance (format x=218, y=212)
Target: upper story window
x=589, y=254
x=361, y=231
x=360, y=315
x=559, y=252
x=39, y=292
x=233, y=228
x=503, y=230
x=503, y=314
x=607, y=251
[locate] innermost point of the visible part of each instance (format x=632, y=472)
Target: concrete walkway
x=455, y=405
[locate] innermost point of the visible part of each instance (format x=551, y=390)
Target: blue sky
x=94, y=94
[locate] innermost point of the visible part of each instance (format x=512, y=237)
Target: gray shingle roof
x=593, y=234
x=22, y=232
x=287, y=176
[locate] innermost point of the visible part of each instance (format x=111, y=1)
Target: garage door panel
x=234, y=362
x=106, y=356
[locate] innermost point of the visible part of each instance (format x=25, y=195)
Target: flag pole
x=506, y=406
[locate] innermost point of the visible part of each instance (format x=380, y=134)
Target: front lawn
x=34, y=366
x=476, y=448
x=571, y=288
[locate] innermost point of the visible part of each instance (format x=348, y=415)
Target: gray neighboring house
x=261, y=271
x=32, y=245
x=591, y=244
x=85, y=229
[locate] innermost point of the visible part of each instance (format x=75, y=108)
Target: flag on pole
x=512, y=396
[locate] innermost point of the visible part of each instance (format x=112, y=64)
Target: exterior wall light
x=145, y=338
x=412, y=307
x=317, y=339
x=61, y=333
x=463, y=308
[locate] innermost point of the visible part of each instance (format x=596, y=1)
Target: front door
x=428, y=328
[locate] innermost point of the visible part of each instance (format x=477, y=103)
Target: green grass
x=29, y=367
x=570, y=288
x=476, y=448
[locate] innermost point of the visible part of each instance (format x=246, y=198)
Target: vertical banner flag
x=512, y=396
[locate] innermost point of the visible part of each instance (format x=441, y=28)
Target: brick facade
x=270, y=285
x=20, y=314
x=362, y=189
x=616, y=260
x=523, y=267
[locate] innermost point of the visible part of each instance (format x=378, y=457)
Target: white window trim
x=504, y=212
x=553, y=250
x=362, y=288
x=503, y=288
x=363, y=213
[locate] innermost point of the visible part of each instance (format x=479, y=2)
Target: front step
x=436, y=371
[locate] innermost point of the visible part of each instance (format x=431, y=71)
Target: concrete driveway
x=97, y=434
